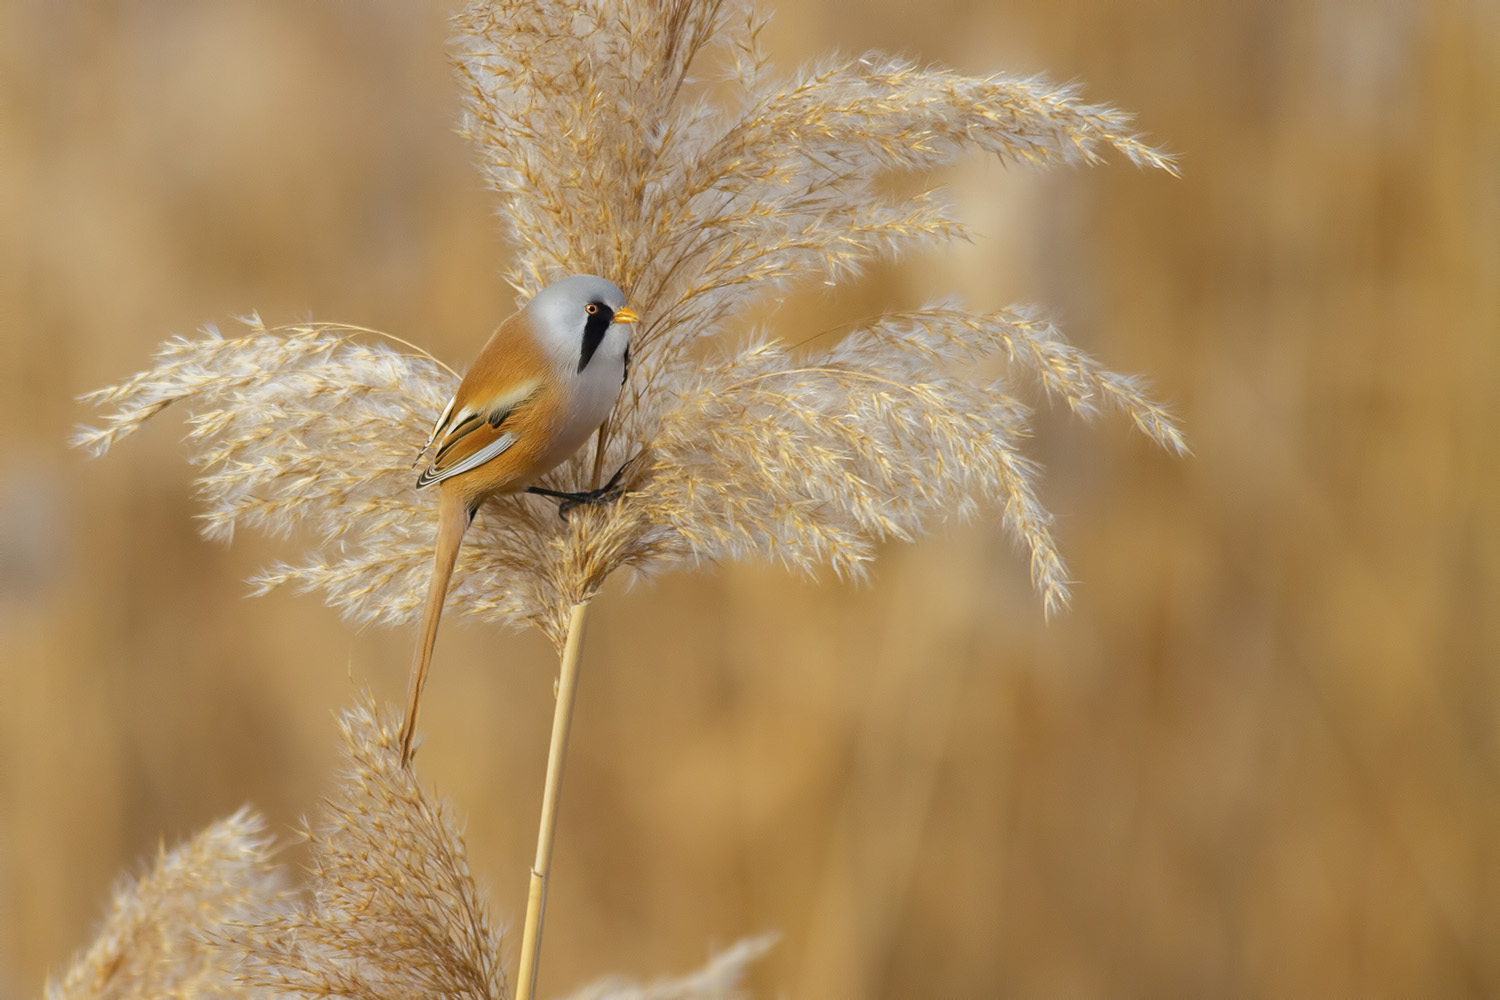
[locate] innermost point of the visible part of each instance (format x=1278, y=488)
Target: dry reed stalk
x=608, y=158
x=557, y=750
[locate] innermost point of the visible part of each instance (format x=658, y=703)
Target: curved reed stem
x=541, y=869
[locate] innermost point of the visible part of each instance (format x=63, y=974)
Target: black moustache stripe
x=594, y=329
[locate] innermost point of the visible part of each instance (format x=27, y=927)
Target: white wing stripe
x=442, y=421
x=474, y=461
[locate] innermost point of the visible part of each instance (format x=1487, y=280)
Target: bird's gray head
x=574, y=317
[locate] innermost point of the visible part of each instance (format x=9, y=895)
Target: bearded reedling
x=545, y=381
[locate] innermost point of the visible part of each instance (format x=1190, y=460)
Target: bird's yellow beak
x=626, y=315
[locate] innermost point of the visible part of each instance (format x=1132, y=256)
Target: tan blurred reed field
x=1259, y=755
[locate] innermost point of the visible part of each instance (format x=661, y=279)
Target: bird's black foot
x=608, y=493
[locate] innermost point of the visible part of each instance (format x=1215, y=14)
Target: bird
x=543, y=383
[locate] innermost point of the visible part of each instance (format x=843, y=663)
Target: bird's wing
x=473, y=435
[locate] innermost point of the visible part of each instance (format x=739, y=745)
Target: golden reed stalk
x=557, y=752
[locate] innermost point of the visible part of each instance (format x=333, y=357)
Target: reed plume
x=388, y=908
x=719, y=979
x=700, y=201
x=157, y=940
x=393, y=910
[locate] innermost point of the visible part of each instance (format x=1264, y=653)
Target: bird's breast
x=589, y=395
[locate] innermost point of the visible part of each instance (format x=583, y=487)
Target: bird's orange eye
x=591, y=309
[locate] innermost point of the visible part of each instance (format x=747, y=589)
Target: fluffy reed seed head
x=392, y=909
x=608, y=158
x=719, y=979
x=157, y=940
x=389, y=908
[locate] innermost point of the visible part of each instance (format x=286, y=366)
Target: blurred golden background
x=1260, y=756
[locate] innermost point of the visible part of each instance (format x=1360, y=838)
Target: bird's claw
x=608, y=493
x=604, y=494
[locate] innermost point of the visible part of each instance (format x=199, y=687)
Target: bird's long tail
x=453, y=521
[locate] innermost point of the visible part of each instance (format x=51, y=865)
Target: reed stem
x=541, y=869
